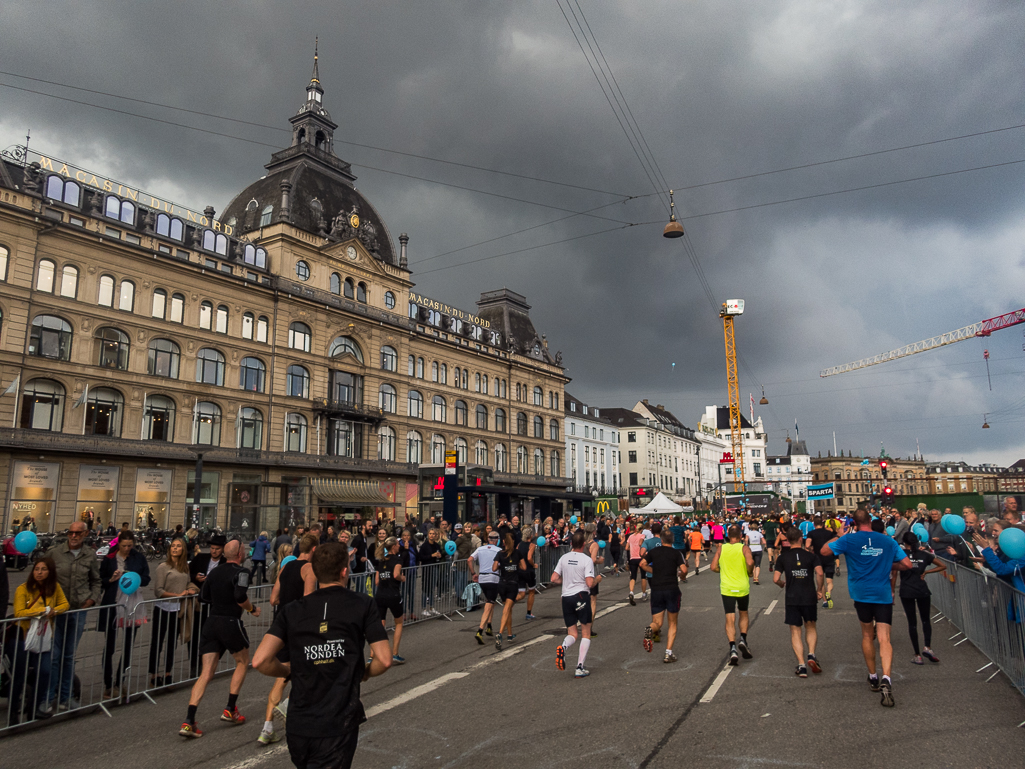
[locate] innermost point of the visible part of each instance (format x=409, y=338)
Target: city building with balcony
x=714, y=433
x=790, y=474
x=592, y=446
x=857, y=478
x=962, y=478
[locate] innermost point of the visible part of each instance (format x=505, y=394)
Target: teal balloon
x=601, y=543
x=890, y=530
x=953, y=524
x=541, y=541
x=26, y=542
x=923, y=535
x=287, y=560
x=573, y=519
x=450, y=547
x=1012, y=543
x=129, y=582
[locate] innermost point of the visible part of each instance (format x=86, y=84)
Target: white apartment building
x=714, y=431
x=790, y=474
x=592, y=444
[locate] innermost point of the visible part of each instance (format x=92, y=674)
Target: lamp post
x=197, y=491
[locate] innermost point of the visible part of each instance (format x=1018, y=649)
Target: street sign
x=451, y=458
x=823, y=491
x=727, y=458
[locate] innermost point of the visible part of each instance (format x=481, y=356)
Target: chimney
x=645, y=401
x=659, y=407
x=286, y=201
x=208, y=212
x=403, y=240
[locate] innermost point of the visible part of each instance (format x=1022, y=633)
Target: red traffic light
x=883, y=463
x=887, y=490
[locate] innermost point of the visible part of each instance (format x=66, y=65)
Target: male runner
x=482, y=562
x=225, y=589
x=800, y=572
x=597, y=559
x=819, y=536
x=324, y=634
x=806, y=526
x=734, y=562
x=527, y=548
x=633, y=553
x=755, y=543
x=575, y=572
x=870, y=559
x=664, y=564
x=770, y=529
x=696, y=545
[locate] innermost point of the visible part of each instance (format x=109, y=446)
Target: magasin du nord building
x=281, y=341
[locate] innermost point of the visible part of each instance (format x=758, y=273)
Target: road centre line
x=609, y=610
x=772, y=606
x=716, y=685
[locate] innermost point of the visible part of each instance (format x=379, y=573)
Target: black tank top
x=291, y=585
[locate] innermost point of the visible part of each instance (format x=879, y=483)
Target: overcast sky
x=719, y=91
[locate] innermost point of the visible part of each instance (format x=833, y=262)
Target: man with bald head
x=225, y=589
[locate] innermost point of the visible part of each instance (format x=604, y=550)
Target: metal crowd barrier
x=988, y=612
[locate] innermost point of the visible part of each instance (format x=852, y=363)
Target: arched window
x=103, y=412
x=112, y=348
x=476, y=382
x=216, y=242
x=5, y=254
x=517, y=391
x=64, y=191
x=437, y=450
x=461, y=450
x=206, y=315
x=389, y=359
x=503, y=388
x=177, y=308
x=501, y=458
x=349, y=288
x=164, y=357
x=556, y=464
x=69, y=282
x=415, y=404
x=539, y=427
x=484, y=384
x=411, y=366
x=122, y=210
x=210, y=366
x=521, y=423
x=344, y=345
x=336, y=283
x=222, y=319
x=539, y=397
x=500, y=420
x=159, y=306
x=51, y=337
x=419, y=368
x=299, y=336
x=126, y=298
x=443, y=374
x=482, y=417
x=295, y=433
x=297, y=382
x=170, y=227
x=265, y=215
x=42, y=405
x=480, y=453
x=252, y=373
x=386, y=443
x=521, y=459
x=466, y=379
x=389, y=300
x=539, y=462
x=414, y=447
x=387, y=399
x=361, y=292
x=434, y=371
x=158, y=418
x=254, y=256
x=438, y=409
x=206, y=424
x=45, y=275
x=461, y=413
x=249, y=430
x=553, y=430
x=262, y=324
x=248, y=321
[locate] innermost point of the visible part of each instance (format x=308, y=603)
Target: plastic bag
x=39, y=638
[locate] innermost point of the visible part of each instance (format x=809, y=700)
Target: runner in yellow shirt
x=734, y=562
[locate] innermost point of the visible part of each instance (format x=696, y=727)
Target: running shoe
x=648, y=645
x=886, y=700
x=190, y=730
x=670, y=657
x=917, y=660
x=282, y=709
x=398, y=660
x=480, y=636
x=498, y=642
x=530, y=616
x=581, y=672
x=511, y=637
x=814, y=664
x=488, y=630
x=873, y=683
x=268, y=738
x=802, y=671
x=633, y=602
x=927, y=653
x=744, y=650
x=734, y=657
x=560, y=657
x=657, y=637
x=233, y=716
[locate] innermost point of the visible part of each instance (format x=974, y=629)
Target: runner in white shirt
x=756, y=544
x=482, y=569
x=575, y=572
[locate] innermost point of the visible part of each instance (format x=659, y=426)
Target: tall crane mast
x=731, y=308
x=982, y=328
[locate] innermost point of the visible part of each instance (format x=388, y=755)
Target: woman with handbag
x=122, y=610
x=172, y=582
x=40, y=599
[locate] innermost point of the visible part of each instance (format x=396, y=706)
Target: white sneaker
x=282, y=708
x=581, y=672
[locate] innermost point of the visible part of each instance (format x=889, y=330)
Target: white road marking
x=609, y=610
x=772, y=606
x=716, y=685
x=417, y=691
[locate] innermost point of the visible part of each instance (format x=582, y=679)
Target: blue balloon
x=541, y=541
x=920, y=527
x=890, y=530
x=287, y=560
x=26, y=542
x=953, y=524
x=129, y=582
x=601, y=543
x=450, y=547
x=923, y=535
x=573, y=519
x=1012, y=543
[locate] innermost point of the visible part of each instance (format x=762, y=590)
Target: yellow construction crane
x=731, y=308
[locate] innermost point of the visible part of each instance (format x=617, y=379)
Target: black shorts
x=508, y=591
x=576, y=608
x=798, y=615
x=757, y=555
x=222, y=634
x=527, y=579
x=665, y=600
x=594, y=589
x=880, y=612
x=635, y=566
x=333, y=752
x=490, y=591
x=735, y=603
x=389, y=600
x=829, y=566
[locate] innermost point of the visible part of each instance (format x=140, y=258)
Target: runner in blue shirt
x=871, y=559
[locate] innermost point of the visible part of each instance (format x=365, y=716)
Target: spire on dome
x=316, y=72
x=314, y=91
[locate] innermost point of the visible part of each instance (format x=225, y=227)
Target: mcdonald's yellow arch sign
x=603, y=506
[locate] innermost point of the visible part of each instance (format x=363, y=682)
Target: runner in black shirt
x=816, y=538
x=664, y=564
x=526, y=549
x=225, y=589
x=508, y=564
x=388, y=595
x=800, y=572
x=324, y=634
x=914, y=592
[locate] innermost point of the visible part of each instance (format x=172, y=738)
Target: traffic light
x=888, y=496
x=883, y=465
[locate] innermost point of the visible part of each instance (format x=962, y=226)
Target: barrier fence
x=109, y=655
x=988, y=612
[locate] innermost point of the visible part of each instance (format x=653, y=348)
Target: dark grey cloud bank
x=720, y=91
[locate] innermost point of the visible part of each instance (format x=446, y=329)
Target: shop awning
x=344, y=492
x=524, y=491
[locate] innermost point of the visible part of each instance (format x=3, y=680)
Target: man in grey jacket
x=78, y=574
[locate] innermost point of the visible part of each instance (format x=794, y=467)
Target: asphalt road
x=457, y=704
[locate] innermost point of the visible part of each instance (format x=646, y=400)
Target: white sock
x=268, y=726
x=585, y=644
x=568, y=641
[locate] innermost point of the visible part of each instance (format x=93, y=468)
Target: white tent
x=660, y=505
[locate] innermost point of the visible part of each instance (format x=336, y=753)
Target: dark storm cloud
x=720, y=91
